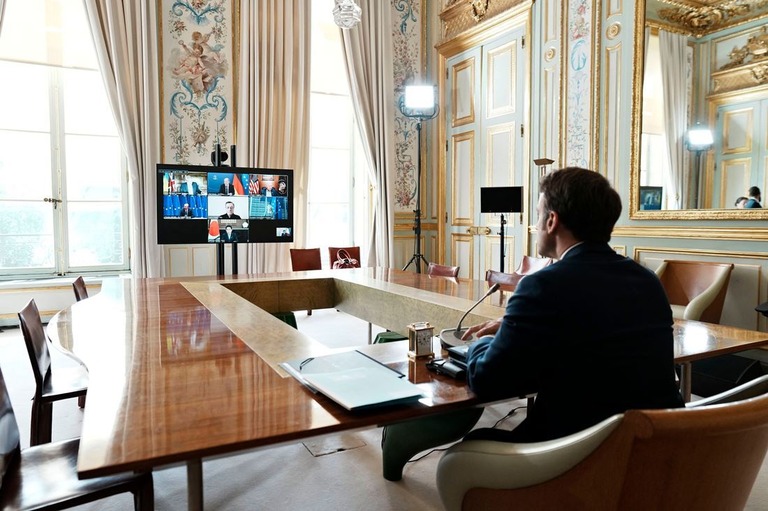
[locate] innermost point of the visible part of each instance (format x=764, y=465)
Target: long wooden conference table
x=185, y=369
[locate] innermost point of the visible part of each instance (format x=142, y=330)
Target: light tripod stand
x=418, y=103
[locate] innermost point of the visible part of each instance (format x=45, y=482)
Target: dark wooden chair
x=81, y=292
x=44, y=477
x=440, y=270
x=354, y=253
x=50, y=386
x=306, y=259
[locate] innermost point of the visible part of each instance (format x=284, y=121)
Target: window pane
x=95, y=233
x=327, y=59
x=330, y=175
x=26, y=235
x=328, y=223
x=86, y=108
x=24, y=89
x=93, y=168
x=25, y=166
x=331, y=122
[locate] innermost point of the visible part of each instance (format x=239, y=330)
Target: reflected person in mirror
x=740, y=202
x=754, y=198
x=591, y=334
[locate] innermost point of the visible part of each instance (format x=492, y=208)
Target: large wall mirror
x=700, y=68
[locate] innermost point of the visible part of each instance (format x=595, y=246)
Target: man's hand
x=487, y=328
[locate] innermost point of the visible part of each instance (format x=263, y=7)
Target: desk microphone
x=452, y=336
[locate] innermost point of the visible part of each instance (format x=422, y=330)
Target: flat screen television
x=199, y=204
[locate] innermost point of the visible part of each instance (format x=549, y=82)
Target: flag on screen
x=238, y=184
x=253, y=187
x=213, y=230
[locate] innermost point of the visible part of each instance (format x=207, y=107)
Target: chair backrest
x=687, y=458
x=305, y=259
x=698, y=286
x=530, y=264
x=81, y=292
x=440, y=270
x=34, y=338
x=9, y=430
x=506, y=281
x=354, y=253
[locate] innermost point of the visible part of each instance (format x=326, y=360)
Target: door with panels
x=741, y=151
x=485, y=147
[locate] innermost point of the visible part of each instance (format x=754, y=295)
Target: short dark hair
x=584, y=200
x=739, y=200
x=754, y=191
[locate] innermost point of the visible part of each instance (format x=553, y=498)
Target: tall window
x=62, y=169
x=338, y=178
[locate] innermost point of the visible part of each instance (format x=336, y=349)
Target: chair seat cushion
x=46, y=475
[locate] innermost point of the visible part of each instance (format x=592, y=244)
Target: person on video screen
x=229, y=206
x=186, y=211
x=282, y=189
x=229, y=236
x=226, y=188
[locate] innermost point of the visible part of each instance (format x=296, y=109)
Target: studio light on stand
x=502, y=199
x=418, y=103
x=698, y=139
x=346, y=13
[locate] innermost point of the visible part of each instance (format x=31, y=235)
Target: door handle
x=479, y=230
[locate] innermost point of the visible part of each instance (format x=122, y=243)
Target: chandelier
x=347, y=13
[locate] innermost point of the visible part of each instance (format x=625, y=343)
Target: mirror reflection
x=703, y=141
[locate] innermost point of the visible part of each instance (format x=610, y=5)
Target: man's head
x=229, y=206
x=740, y=202
x=575, y=203
x=754, y=192
x=281, y=186
x=186, y=205
x=228, y=229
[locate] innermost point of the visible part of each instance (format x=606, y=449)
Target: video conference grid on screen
x=204, y=204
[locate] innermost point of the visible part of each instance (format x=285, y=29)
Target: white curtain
x=2, y=11
x=273, y=107
x=368, y=59
x=673, y=76
x=125, y=36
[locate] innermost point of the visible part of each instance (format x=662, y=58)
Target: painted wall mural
x=196, y=78
x=406, y=48
x=579, y=69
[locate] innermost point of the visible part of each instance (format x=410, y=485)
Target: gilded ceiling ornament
x=479, y=8
x=706, y=18
x=761, y=73
x=755, y=50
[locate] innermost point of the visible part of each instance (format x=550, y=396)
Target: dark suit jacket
x=592, y=334
x=752, y=203
x=227, y=190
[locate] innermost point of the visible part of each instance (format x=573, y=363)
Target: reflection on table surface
x=187, y=368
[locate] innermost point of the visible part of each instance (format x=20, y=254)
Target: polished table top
x=187, y=368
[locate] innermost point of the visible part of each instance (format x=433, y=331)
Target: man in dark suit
x=754, y=198
x=590, y=334
x=186, y=211
x=226, y=188
x=229, y=236
x=229, y=213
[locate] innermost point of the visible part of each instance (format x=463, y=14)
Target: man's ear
x=553, y=221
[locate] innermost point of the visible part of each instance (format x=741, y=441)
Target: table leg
x=685, y=381
x=195, y=485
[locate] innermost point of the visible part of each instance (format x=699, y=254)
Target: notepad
x=353, y=379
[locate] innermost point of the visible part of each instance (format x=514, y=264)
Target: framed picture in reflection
x=650, y=197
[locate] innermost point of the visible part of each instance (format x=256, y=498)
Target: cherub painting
x=199, y=63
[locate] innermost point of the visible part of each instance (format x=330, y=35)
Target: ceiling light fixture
x=346, y=13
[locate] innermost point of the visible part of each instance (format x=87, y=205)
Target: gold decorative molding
x=463, y=15
x=614, y=29
x=550, y=54
x=740, y=78
x=701, y=233
x=479, y=9
x=701, y=20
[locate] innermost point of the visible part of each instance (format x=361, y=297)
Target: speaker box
x=715, y=375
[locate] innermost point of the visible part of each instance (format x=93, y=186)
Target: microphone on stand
x=452, y=336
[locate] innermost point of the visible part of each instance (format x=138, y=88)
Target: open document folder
x=353, y=380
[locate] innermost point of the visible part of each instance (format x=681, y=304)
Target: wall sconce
x=542, y=164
